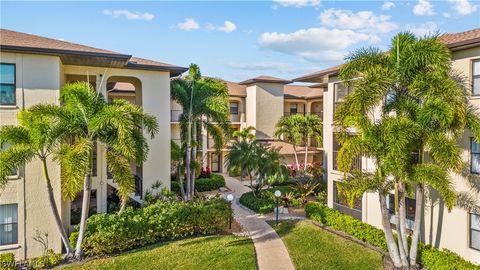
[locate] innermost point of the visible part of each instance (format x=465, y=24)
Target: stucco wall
x=269, y=108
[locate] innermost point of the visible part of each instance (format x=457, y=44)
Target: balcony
x=235, y=118
x=292, y=113
x=319, y=114
x=356, y=163
x=175, y=115
x=178, y=141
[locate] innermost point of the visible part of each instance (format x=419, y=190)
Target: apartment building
x=458, y=230
x=33, y=70
x=260, y=102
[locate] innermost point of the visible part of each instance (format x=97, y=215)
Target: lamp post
x=230, y=199
x=277, y=196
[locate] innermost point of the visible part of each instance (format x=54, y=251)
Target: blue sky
x=237, y=40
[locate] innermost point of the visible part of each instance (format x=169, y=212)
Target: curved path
x=270, y=250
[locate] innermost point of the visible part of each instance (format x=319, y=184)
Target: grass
x=211, y=252
x=311, y=247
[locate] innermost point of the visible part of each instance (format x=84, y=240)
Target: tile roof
x=265, y=79
x=301, y=91
x=235, y=89
x=77, y=54
x=331, y=71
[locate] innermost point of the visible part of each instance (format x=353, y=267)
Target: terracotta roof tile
x=265, y=79
x=235, y=89
x=302, y=91
x=453, y=39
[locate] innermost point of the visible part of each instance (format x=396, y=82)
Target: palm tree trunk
x=123, y=205
x=296, y=156
x=188, y=160
x=401, y=248
x=417, y=224
x=53, y=206
x=306, y=153
x=387, y=228
x=83, y=220
x=403, y=217
x=180, y=181
x=194, y=157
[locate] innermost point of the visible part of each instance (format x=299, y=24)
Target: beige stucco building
x=457, y=230
x=260, y=102
x=34, y=69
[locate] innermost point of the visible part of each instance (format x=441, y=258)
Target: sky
x=238, y=40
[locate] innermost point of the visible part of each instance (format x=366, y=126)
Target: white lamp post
x=230, y=199
x=277, y=196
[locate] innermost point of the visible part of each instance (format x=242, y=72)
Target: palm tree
x=271, y=167
x=311, y=127
x=176, y=157
x=240, y=152
x=290, y=130
x=205, y=106
x=88, y=118
x=38, y=137
x=423, y=112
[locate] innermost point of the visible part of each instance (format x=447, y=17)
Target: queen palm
x=423, y=111
x=39, y=137
x=119, y=125
x=205, y=106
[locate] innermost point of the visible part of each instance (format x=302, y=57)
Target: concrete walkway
x=271, y=252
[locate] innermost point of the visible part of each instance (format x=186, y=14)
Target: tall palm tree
x=270, y=166
x=205, y=106
x=311, y=127
x=424, y=110
x=241, y=155
x=290, y=130
x=119, y=125
x=176, y=157
x=39, y=137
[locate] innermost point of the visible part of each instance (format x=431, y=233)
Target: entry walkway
x=270, y=250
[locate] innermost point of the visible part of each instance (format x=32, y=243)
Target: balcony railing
x=177, y=141
x=292, y=113
x=175, y=115
x=138, y=186
x=319, y=114
x=356, y=163
x=234, y=117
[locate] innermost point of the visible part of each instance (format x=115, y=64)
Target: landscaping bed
x=213, y=182
x=262, y=203
x=311, y=247
x=201, y=253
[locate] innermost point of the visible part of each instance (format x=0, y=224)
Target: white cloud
x=447, y=15
x=129, y=15
x=423, y=8
x=421, y=30
x=298, y=3
x=261, y=66
x=463, y=7
x=388, y=5
x=362, y=20
x=188, y=24
x=227, y=27
x=314, y=44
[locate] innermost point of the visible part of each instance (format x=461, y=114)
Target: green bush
x=7, y=261
x=175, y=187
x=265, y=202
x=46, y=261
x=163, y=220
x=215, y=181
x=429, y=257
x=234, y=171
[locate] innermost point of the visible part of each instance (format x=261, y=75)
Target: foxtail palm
x=205, y=106
x=37, y=137
x=423, y=110
x=118, y=125
x=312, y=128
x=290, y=130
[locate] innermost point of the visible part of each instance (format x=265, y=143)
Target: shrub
x=7, y=261
x=206, y=172
x=161, y=221
x=215, y=181
x=46, y=261
x=175, y=187
x=234, y=171
x=429, y=257
x=265, y=201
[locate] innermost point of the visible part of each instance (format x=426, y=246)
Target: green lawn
x=311, y=247
x=211, y=252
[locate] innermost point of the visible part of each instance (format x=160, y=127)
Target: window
x=293, y=108
x=409, y=208
x=233, y=107
x=76, y=207
x=8, y=224
x=340, y=204
x=475, y=231
x=356, y=162
x=476, y=78
x=14, y=171
x=340, y=91
x=7, y=84
x=475, y=156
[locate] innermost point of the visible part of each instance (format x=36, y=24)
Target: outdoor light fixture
x=277, y=196
x=230, y=199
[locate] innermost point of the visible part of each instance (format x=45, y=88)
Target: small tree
x=290, y=129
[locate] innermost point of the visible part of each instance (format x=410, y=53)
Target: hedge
x=112, y=233
x=428, y=256
x=264, y=203
x=215, y=181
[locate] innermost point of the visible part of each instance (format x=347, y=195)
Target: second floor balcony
x=175, y=115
